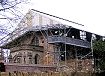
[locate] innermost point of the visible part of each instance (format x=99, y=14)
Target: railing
x=47, y=72
x=68, y=40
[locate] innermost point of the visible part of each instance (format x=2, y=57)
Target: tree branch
x=9, y=7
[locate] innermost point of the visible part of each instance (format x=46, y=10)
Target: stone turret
x=10, y=58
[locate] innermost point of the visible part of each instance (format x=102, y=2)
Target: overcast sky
x=87, y=12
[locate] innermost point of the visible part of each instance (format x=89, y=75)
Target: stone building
x=39, y=40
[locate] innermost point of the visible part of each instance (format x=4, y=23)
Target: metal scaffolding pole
x=65, y=46
x=93, y=63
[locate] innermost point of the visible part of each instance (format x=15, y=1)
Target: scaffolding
x=62, y=38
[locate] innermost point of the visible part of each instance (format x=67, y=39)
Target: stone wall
x=28, y=68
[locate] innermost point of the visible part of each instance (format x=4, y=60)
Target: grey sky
x=87, y=12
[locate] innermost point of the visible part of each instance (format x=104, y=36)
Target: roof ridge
x=57, y=17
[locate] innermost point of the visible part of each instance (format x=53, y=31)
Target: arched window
x=24, y=58
x=29, y=54
x=37, y=58
x=19, y=56
x=35, y=41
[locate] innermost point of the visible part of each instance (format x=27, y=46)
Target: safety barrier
x=46, y=74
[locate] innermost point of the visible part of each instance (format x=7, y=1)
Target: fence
x=46, y=74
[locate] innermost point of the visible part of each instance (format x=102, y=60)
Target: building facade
x=40, y=40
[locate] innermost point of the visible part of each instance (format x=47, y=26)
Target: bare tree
x=10, y=14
